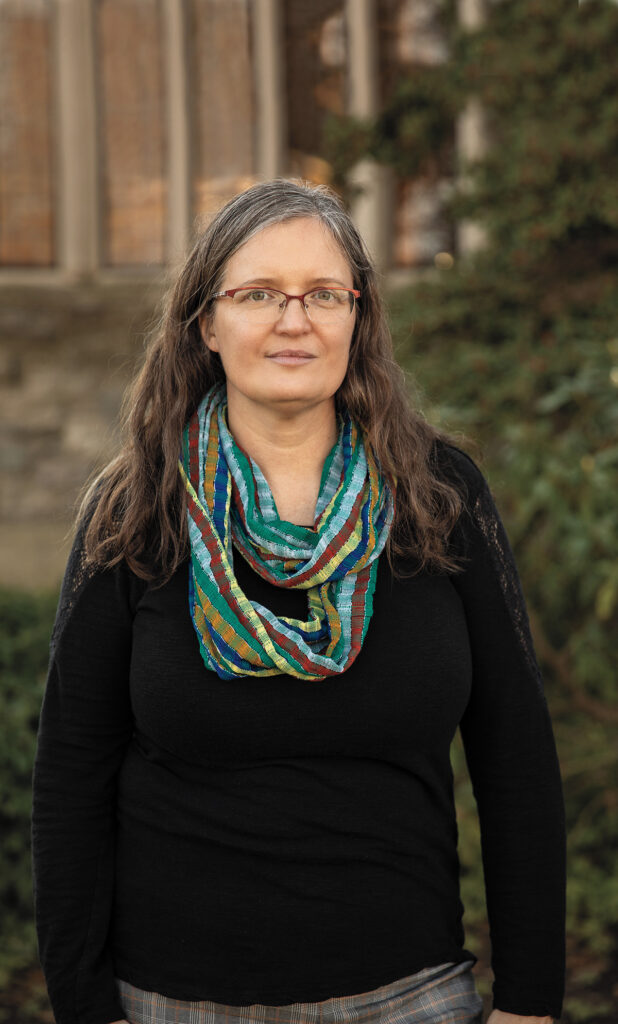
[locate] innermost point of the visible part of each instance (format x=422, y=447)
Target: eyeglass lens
x=263, y=305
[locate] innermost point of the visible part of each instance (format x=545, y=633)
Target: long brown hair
x=136, y=505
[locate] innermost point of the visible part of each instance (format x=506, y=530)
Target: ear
x=207, y=330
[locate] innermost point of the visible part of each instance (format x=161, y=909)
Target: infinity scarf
x=229, y=503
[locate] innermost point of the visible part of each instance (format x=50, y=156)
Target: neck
x=290, y=449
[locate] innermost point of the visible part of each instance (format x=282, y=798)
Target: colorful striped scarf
x=229, y=503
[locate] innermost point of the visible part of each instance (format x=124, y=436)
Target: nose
x=294, y=318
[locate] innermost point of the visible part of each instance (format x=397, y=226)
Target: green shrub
x=25, y=628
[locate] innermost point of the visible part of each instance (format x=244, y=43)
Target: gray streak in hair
x=263, y=205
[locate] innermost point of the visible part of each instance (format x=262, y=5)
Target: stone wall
x=66, y=355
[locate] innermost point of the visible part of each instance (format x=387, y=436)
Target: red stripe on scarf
x=194, y=442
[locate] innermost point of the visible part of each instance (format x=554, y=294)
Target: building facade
x=125, y=123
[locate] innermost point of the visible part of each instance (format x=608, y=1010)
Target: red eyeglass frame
x=231, y=292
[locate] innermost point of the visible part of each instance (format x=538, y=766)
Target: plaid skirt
x=444, y=994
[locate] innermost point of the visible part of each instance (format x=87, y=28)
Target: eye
x=327, y=298
x=255, y=296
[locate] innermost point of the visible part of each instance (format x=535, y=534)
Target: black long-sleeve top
x=277, y=840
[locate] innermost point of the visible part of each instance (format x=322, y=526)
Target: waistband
x=442, y=993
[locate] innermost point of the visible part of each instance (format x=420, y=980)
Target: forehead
x=300, y=248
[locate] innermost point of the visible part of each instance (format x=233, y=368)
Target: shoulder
x=459, y=469
x=477, y=516
x=90, y=589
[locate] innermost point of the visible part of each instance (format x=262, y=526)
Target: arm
x=85, y=727
x=515, y=775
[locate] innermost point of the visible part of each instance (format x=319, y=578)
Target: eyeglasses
x=266, y=305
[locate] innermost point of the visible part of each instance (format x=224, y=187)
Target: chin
x=295, y=398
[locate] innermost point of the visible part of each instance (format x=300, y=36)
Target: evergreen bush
x=25, y=628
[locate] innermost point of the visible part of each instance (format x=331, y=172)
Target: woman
x=243, y=796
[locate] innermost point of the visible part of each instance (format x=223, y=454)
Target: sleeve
x=85, y=726
x=513, y=766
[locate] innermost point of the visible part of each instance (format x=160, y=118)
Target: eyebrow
x=273, y=281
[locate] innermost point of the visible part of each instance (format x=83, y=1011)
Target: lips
x=291, y=356
x=296, y=353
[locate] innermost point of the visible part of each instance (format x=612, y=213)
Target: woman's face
x=294, y=363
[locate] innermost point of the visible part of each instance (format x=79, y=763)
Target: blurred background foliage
x=517, y=348
x=25, y=628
